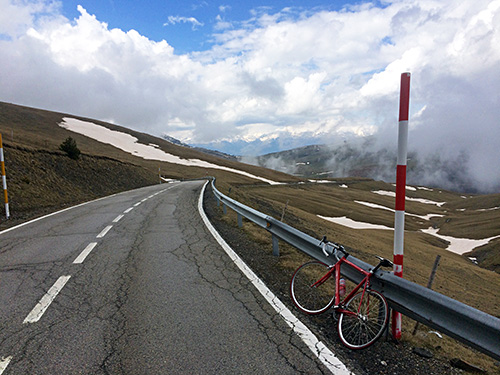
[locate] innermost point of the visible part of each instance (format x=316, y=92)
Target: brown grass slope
x=41, y=179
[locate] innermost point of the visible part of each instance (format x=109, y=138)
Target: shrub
x=69, y=147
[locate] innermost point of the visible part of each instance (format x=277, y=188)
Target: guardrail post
x=429, y=284
x=276, y=248
x=240, y=220
x=224, y=208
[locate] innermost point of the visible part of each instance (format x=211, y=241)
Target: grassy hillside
x=41, y=179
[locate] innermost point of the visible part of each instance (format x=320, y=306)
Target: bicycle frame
x=336, y=271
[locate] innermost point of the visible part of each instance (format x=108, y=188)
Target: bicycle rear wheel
x=366, y=320
x=312, y=288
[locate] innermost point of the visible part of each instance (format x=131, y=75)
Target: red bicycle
x=362, y=315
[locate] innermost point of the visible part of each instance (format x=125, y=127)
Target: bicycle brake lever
x=323, y=240
x=323, y=245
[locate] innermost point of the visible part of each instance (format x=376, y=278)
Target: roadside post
x=4, y=180
x=399, y=220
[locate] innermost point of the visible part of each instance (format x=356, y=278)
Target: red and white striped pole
x=4, y=179
x=399, y=221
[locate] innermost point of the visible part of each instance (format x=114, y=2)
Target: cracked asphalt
x=157, y=295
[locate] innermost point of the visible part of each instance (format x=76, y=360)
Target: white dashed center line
x=84, y=253
x=118, y=218
x=4, y=362
x=44, y=303
x=104, y=231
x=39, y=309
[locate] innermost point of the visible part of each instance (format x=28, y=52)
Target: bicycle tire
x=310, y=298
x=360, y=330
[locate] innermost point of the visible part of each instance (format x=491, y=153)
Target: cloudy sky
x=206, y=71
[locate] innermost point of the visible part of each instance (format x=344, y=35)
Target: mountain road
x=134, y=283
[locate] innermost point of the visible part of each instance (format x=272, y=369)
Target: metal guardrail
x=455, y=319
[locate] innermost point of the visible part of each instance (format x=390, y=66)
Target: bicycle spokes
x=313, y=287
x=363, y=319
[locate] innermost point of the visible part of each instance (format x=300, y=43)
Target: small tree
x=69, y=147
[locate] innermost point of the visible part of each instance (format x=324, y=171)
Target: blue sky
x=185, y=25
x=248, y=75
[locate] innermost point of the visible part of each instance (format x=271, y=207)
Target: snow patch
x=346, y=222
x=420, y=200
x=411, y=188
x=373, y=205
x=322, y=181
x=128, y=143
x=488, y=209
x=459, y=245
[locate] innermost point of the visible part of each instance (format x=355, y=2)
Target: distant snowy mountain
x=206, y=150
x=259, y=146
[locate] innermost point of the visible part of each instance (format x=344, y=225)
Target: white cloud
x=320, y=73
x=222, y=24
x=172, y=20
x=17, y=16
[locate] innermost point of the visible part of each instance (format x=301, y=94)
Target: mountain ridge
x=365, y=160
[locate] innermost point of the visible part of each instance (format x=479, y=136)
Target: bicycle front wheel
x=313, y=288
x=364, y=321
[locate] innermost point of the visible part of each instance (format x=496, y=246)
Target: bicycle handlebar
x=382, y=263
x=336, y=247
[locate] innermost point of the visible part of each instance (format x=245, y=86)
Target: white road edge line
x=55, y=213
x=324, y=354
x=37, y=312
x=104, y=231
x=85, y=253
x=4, y=362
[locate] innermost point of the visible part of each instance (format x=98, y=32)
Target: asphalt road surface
x=135, y=284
